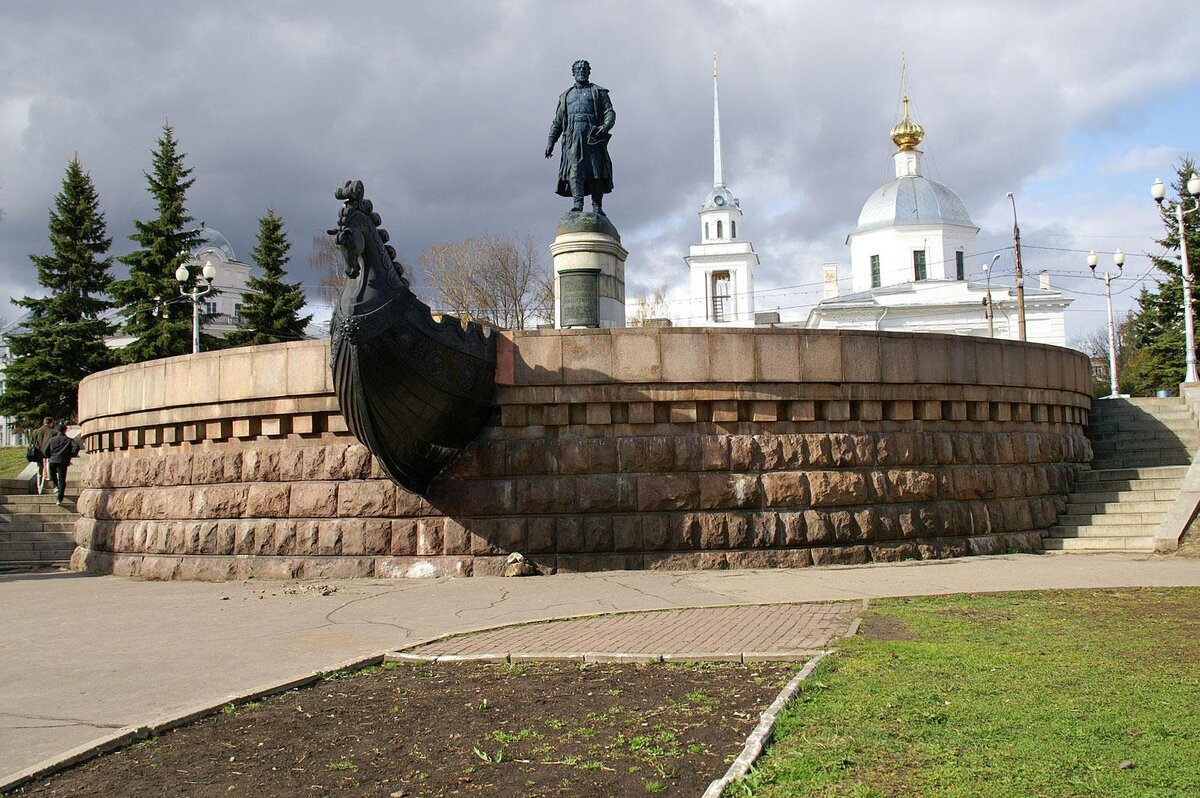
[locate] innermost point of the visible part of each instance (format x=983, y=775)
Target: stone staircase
x=1142, y=449
x=34, y=532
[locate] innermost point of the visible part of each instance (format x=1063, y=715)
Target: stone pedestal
x=589, y=272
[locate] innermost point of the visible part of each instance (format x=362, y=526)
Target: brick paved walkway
x=777, y=631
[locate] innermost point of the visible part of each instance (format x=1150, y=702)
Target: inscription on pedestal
x=578, y=301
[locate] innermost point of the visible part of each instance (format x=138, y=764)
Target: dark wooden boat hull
x=413, y=390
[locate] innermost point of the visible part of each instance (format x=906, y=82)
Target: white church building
x=914, y=266
x=721, y=267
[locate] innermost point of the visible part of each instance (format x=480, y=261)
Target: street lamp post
x=182, y=274
x=1159, y=191
x=1020, y=273
x=1119, y=259
x=991, y=312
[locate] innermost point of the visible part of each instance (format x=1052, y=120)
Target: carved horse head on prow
x=368, y=261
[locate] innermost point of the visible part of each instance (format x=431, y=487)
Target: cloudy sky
x=443, y=108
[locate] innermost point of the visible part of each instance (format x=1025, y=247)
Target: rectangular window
x=919, y=264
x=960, y=271
x=210, y=308
x=237, y=313
x=720, y=297
x=875, y=279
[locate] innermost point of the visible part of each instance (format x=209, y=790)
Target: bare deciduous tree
x=323, y=260
x=649, y=308
x=491, y=279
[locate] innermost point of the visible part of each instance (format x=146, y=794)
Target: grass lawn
x=12, y=461
x=1061, y=693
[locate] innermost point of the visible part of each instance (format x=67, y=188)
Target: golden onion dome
x=907, y=134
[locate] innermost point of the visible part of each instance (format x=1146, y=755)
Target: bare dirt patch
x=883, y=627
x=543, y=729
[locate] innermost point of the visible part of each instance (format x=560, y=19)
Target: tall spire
x=718, y=173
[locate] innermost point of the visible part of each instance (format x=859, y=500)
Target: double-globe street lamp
x=1119, y=259
x=183, y=275
x=1159, y=191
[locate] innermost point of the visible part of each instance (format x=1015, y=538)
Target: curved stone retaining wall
x=610, y=449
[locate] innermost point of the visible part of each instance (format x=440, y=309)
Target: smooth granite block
x=635, y=356
x=860, y=358
x=931, y=362
x=731, y=356
x=821, y=357
x=586, y=359
x=685, y=357
x=898, y=359
x=538, y=359
x=308, y=369
x=778, y=357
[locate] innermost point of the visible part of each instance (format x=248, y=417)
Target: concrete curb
x=758, y=738
x=131, y=734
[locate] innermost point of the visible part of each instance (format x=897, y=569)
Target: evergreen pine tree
x=64, y=337
x=270, y=312
x=1158, y=325
x=160, y=327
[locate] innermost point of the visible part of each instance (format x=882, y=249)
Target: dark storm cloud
x=442, y=109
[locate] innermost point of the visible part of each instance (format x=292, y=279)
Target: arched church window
x=707, y=234
x=732, y=228
x=720, y=232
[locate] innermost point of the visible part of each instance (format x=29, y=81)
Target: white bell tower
x=722, y=264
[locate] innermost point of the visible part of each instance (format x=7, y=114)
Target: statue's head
x=581, y=70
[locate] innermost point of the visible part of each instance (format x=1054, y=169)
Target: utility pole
x=1020, y=273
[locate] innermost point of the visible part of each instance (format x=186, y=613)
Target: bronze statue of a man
x=584, y=119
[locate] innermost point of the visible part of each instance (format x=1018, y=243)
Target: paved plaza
x=82, y=656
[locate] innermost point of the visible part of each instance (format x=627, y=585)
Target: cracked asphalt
x=83, y=655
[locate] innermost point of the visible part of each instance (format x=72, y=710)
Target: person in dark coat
x=59, y=451
x=584, y=119
x=38, y=438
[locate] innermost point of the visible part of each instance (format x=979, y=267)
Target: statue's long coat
x=601, y=164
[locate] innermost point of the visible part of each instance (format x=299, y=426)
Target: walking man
x=39, y=437
x=59, y=451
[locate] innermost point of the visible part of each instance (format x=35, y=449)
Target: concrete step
x=1119, y=518
x=1154, y=446
x=1133, y=543
x=1110, y=474
x=1173, y=416
x=1076, y=506
x=1101, y=531
x=30, y=549
x=19, y=533
x=1139, y=458
x=34, y=500
x=21, y=566
x=1110, y=492
x=58, y=514
x=1146, y=438
x=44, y=557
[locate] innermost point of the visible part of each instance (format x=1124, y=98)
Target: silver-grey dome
x=913, y=200
x=208, y=238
